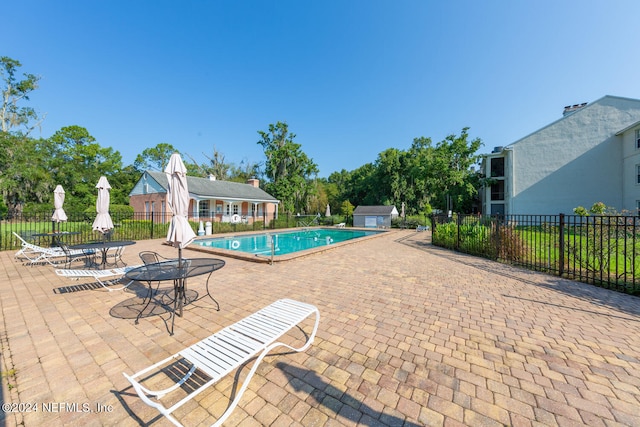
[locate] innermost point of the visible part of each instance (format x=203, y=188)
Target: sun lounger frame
x=36, y=254
x=114, y=273
x=227, y=350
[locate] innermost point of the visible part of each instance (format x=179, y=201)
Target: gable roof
x=205, y=188
x=602, y=100
x=375, y=210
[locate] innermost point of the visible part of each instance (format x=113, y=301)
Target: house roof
x=208, y=189
x=631, y=126
x=375, y=210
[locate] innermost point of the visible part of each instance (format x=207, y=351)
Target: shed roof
x=375, y=210
x=206, y=188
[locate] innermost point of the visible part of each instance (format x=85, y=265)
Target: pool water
x=283, y=242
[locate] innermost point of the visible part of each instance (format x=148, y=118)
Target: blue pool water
x=283, y=242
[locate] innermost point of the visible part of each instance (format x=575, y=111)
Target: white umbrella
x=180, y=232
x=103, y=222
x=402, y=213
x=328, y=211
x=58, y=200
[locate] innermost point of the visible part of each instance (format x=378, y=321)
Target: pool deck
x=409, y=335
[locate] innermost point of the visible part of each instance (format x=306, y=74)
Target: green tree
x=155, y=158
x=76, y=161
x=454, y=157
x=23, y=178
x=287, y=168
x=14, y=91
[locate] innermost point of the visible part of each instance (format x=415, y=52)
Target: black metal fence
x=36, y=228
x=601, y=250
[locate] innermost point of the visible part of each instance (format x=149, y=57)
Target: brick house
x=210, y=199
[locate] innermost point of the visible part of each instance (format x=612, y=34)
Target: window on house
x=497, y=166
x=147, y=211
x=497, y=190
x=236, y=208
x=204, y=208
x=637, y=138
x=637, y=174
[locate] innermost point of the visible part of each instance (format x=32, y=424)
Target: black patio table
x=177, y=271
x=103, y=247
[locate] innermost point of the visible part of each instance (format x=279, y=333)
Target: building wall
x=380, y=221
x=575, y=161
x=631, y=169
x=147, y=203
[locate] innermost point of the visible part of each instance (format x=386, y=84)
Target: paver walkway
x=409, y=335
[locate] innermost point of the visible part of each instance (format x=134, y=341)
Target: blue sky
x=351, y=78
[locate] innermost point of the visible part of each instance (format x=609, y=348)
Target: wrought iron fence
x=601, y=250
x=37, y=228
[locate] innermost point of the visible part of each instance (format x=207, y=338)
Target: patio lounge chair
x=113, y=275
x=225, y=351
x=422, y=228
x=54, y=256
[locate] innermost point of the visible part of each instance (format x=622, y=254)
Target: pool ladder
x=273, y=247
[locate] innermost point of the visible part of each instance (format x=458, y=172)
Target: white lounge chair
x=112, y=275
x=36, y=254
x=340, y=225
x=225, y=351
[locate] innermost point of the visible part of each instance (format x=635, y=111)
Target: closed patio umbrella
x=103, y=222
x=180, y=232
x=328, y=211
x=59, y=214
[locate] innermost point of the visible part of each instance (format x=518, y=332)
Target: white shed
x=374, y=216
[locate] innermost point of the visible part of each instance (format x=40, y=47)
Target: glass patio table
x=177, y=271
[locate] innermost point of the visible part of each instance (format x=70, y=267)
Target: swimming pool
x=284, y=242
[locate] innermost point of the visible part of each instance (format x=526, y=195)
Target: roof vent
x=573, y=108
x=497, y=149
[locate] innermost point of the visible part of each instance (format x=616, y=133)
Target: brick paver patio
x=410, y=335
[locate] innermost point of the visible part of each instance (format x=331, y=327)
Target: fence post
x=458, y=232
x=561, y=245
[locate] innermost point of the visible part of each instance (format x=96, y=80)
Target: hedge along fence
x=601, y=250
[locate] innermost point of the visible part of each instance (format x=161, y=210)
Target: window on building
x=497, y=166
x=637, y=138
x=147, y=210
x=637, y=174
x=497, y=190
x=203, y=209
x=497, y=209
x=637, y=207
x=236, y=209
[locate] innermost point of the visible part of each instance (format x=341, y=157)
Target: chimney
x=253, y=182
x=573, y=108
x=212, y=177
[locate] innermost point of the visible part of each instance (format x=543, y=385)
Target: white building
x=591, y=154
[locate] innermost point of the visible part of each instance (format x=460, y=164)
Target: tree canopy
x=288, y=169
x=12, y=113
